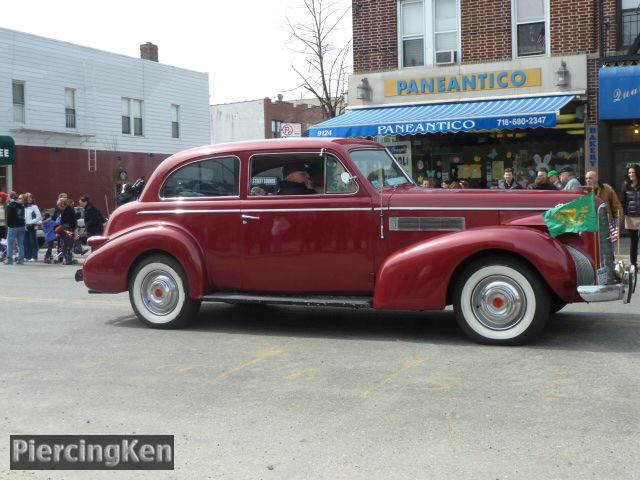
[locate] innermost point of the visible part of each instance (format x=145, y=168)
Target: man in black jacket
x=14, y=213
x=296, y=181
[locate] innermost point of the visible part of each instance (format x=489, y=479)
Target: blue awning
x=507, y=114
x=619, y=93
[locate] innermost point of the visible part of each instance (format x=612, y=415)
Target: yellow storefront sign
x=469, y=82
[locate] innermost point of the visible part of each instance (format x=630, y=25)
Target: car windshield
x=380, y=168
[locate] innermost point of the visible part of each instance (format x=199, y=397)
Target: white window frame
x=19, y=109
x=70, y=111
x=514, y=31
x=132, y=123
x=175, y=108
x=428, y=7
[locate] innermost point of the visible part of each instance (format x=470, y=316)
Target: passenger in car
x=296, y=181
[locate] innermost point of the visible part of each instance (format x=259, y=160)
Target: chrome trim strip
x=458, y=209
x=179, y=211
x=279, y=210
x=254, y=210
x=427, y=224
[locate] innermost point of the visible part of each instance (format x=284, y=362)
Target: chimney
x=149, y=51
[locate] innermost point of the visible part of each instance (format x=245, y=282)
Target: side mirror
x=346, y=177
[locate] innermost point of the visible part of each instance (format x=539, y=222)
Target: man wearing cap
x=296, y=181
x=553, y=179
x=568, y=180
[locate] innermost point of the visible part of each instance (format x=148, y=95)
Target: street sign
x=291, y=130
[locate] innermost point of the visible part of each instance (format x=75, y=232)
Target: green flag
x=576, y=216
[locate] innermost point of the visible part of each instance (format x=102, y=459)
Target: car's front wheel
x=500, y=301
x=159, y=293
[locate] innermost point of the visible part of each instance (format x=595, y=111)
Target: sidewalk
x=623, y=247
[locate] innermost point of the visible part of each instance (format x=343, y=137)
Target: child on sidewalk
x=48, y=228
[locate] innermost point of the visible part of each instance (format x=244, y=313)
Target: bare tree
x=324, y=74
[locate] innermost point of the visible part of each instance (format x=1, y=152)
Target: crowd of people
x=20, y=220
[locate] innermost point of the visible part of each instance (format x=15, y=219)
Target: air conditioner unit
x=446, y=57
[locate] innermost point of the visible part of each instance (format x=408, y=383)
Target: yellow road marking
x=439, y=383
x=407, y=366
x=274, y=352
x=65, y=301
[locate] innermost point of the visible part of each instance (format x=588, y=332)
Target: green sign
x=7, y=151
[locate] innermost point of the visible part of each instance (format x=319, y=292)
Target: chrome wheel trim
x=159, y=292
x=498, y=302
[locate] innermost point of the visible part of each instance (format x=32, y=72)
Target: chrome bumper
x=618, y=291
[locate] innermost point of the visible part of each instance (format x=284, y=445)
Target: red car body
x=395, y=246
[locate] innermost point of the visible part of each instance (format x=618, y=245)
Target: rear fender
x=418, y=277
x=108, y=268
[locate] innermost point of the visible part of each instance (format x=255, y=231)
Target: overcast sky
x=242, y=45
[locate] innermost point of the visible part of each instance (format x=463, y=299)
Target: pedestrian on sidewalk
x=631, y=205
x=607, y=194
x=15, y=225
x=32, y=217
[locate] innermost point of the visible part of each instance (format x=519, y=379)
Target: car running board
x=307, y=300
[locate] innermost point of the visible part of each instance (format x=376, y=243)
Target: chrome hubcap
x=498, y=302
x=159, y=292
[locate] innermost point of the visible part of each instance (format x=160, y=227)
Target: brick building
x=619, y=87
x=466, y=88
x=263, y=118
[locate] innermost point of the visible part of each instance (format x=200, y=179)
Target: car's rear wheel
x=500, y=301
x=158, y=290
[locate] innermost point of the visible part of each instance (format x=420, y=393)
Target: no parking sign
x=291, y=130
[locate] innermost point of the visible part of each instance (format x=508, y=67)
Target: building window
x=629, y=22
x=276, y=128
x=530, y=17
x=70, y=107
x=175, y=121
x=132, y=116
x=18, y=102
x=428, y=32
x=412, y=33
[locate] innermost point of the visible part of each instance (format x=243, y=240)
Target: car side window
x=298, y=174
x=215, y=177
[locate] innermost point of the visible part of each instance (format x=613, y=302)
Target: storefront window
x=480, y=158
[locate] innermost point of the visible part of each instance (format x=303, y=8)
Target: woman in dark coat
x=631, y=205
x=93, y=218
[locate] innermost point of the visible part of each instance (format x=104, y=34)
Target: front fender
x=107, y=269
x=418, y=277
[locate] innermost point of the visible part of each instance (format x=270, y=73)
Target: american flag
x=614, y=230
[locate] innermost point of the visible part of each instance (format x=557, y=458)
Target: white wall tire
x=500, y=302
x=158, y=291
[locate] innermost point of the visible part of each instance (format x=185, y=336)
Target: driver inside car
x=296, y=181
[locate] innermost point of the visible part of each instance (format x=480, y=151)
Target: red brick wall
x=375, y=35
x=307, y=115
x=574, y=26
x=66, y=170
x=486, y=30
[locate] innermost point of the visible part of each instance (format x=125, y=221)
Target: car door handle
x=248, y=217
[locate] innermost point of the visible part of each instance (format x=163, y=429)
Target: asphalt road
x=294, y=393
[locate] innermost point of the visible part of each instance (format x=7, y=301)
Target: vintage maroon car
x=218, y=223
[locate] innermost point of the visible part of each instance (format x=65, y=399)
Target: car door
x=307, y=243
